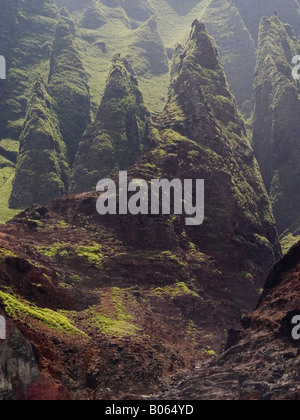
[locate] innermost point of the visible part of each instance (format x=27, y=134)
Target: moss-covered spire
x=203, y=137
x=276, y=134
x=42, y=169
x=69, y=87
x=119, y=133
x=199, y=88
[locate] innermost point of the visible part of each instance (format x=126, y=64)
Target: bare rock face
x=18, y=366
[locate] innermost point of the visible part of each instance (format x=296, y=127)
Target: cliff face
x=57, y=115
x=119, y=133
x=91, y=301
x=103, y=293
x=276, y=123
x=42, y=169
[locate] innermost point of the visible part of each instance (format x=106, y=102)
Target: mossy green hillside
x=114, y=321
x=21, y=310
x=178, y=289
x=26, y=32
x=42, y=169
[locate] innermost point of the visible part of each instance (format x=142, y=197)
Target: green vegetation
x=6, y=253
x=56, y=249
x=42, y=168
x=276, y=97
x=69, y=87
x=209, y=352
x=177, y=289
x=116, y=322
x=288, y=240
x=113, y=326
x=20, y=310
x=245, y=275
x=6, y=181
x=93, y=253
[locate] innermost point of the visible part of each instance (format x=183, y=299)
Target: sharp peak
x=64, y=11
x=197, y=27
x=266, y=20
x=39, y=83
x=119, y=62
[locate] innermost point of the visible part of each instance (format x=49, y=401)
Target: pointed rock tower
x=69, y=88
x=276, y=135
x=119, y=133
x=203, y=137
x=42, y=169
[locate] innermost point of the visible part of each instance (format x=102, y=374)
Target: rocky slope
x=95, y=299
x=262, y=360
x=276, y=124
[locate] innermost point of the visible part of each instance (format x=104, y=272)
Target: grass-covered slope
x=276, y=123
x=42, y=170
